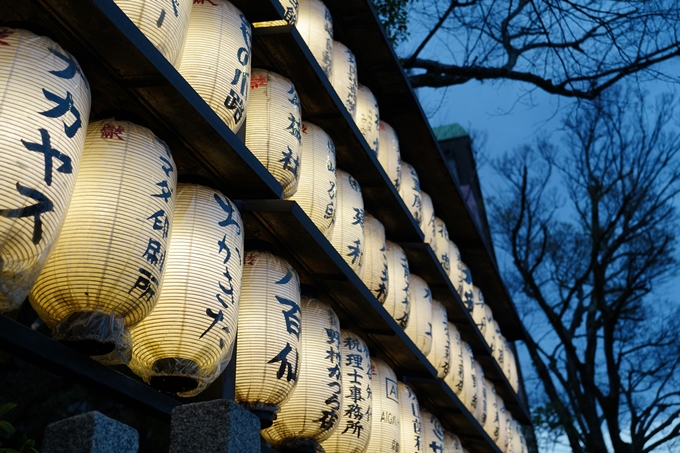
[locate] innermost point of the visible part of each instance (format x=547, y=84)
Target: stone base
x=92, y=432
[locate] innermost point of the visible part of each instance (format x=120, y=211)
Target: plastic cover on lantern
x=440, y=354
x=478, y=309
x=316, y=190
x=274, y=132
x=315, y=25
x=455, y=378
x=374, y=272
x=106, y=272
x=344, y=77
x=409, y=419
x=290, y=15
x=348, y=235
x=419, y=327
x=427, y=224
x=186, y=342
x=389, y=155
x=452, y=443
x=441, y=239
x=397, y=302
x=311, y=414
x=269, y=325
x=410, y=191
x=368, y=117
x=385, y=422
x=433, y=432
x=216, y=59
x=165, y=26
x=44, y=115
x=465, y=287
x=354, y=426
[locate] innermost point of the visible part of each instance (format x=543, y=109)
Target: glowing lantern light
x=491, y=425
x=518, y=441
x=269, y=324
x=441, y=239
x=219, y=71
x=440, y=354
x=274, y=132
x=290, y=15
x=409, y=419
x=499, y=346
x=45, y=109
x=106, y=272
x=454, y=264
x=311, y=414
x=315, y=25
x=488, y=320
x=469, y=395
x=385, y=423
x=480, y=409
x=397, y=302
x=165, y=26
x=478, y=309
x=465, y=287
x=185, y=343
x=348, y=232
x=410, y=191
x=452, y=443
x=433, y=432
x=354, y=427
x=455, y=377
x=389, y=155
x=316, y=188
x=511, y=370
x=420, y=317
x=427, y=223
x=344, y=77
x=503, y=414
x=368, y=117
x=374, y=271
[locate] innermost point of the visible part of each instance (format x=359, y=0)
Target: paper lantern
x=274, y=132
x=216, y=59
x=315, y=25
x=385, y=421
x=374, y=272
x=348, y=231
x=106, y=272
x=344, y=77
x=410, y=191
x=269, y=325
x=312, y=412
x=440, y=353
x=502, y=441
x=427, y=224
x=389, y=155
x=464, y=288
x=518, y=441
x=512, y=369
x=491, y=425
x=354, y=427
x=409, y=419
x=368, y=117
x=488, y=320
x=498, y=352
x=44, y=114
x=469, y=395
x=454, y=264
x=452, y=443
x=165, y=24
x=397, y=302
x=316, y=189
x=420, y=316
x=433, y=433
x=478, y=315
x=185, y=343
x=456, y=376
x=480, y=409
x=290, y=15
x=441, y=240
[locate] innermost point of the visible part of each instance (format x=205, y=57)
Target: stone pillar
x=92, y=432
x=218, y=426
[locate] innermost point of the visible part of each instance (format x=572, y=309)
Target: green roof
x=449, y=132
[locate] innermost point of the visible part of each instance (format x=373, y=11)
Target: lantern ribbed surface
x=420, y=317
x=312, y=412
x=368, y=117
x=440, y=353
x=290, y=15
x=45, y=109
x=397, y=302
x=455, y=377
x=491, y=425
x=165, y=24
x=389, y=155
x=109, y=264
x=469, y=395
x=518, y=441
x=187, y=340
x=503, y=414
x=354, y=427
x=441, y=239
x=480, y=410
x=216, y=59
x=452, y=443
x=274, y=132
x=478, y=311
x=464, y=288
x=454, y=264
x=511, y=371
x=427, y=224
x=269, y=325
x=385, y=421
x=410, y=191
x=433, y=432
x=488, y=320
x=316, y=188
x=315, y=25
x=344, y=77
x=411, y=427
x=374, y=272
x=348, y=231
x=499, y=345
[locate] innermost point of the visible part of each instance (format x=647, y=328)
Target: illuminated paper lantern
x=316, y=189
x=374, y=272
x=354, y=427
x=410, y=191
x=312, y=412
x=455, y=377
x=165, y=24
x=290, y=15
x=512, y=369
x=469, y=395
x=409, y=420
x=397, y=302
x=427, y=224
x=186, y=342
x=216, y=59
x=368, y=117
x=106, y=272
x=269, y=324
x=315, y=25
x=420, y=316
x=348, y=231
x=454, y=264
x=464, y=288
x=480, y=409
x=491, y=425
x=433, y=432
x=503, y=414
x=478, y=315
x=518, y=441
x=344, y=77
x=274, y=132
x=498, y=352
x=389, y=155
x=440, y=353
x=452, y=443
x=488, y=320
x=44, y=114
x=385, y=421
x=441, y=239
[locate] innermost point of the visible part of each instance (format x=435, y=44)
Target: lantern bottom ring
x=174, y=375
x=299, y=445
x=95, y=333
x=265, y=412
